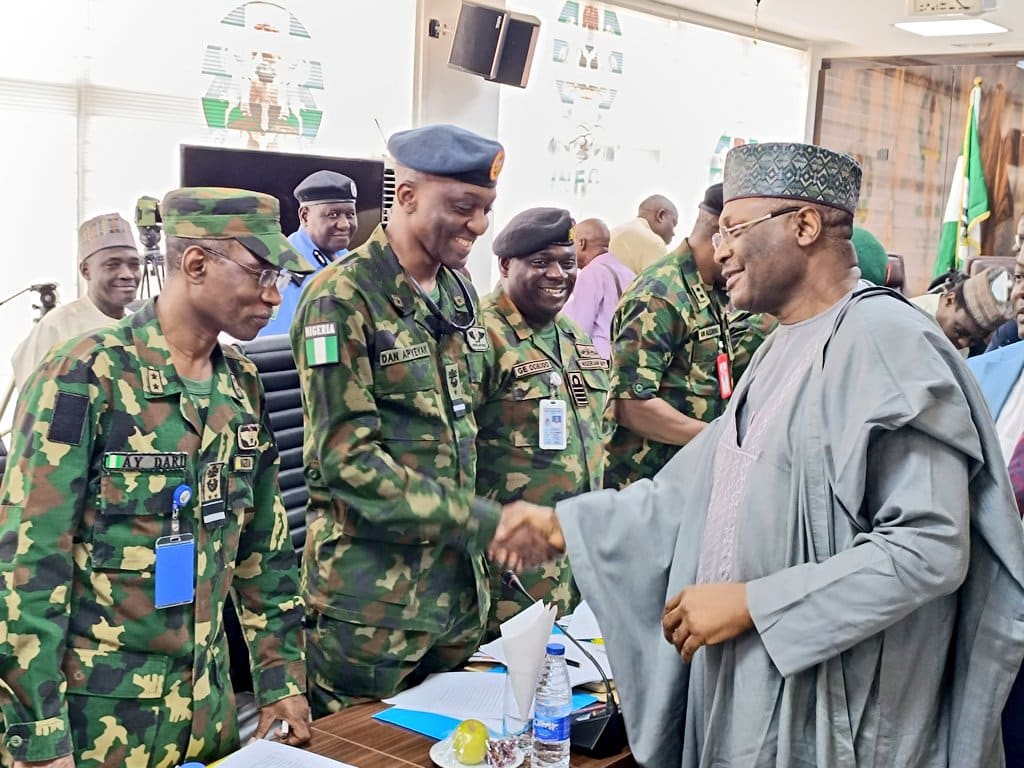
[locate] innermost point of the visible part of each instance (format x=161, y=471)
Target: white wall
x=446, y=95
x=97, y=100
x=680, y=89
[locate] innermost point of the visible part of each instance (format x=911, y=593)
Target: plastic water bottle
x=552, y=706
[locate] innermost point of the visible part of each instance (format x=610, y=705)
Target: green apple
x=470, y=742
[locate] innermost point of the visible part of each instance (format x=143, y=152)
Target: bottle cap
x=556, y=649
x=192, y=764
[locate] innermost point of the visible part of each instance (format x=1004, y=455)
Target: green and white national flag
x=967, y=205
x=321, y=343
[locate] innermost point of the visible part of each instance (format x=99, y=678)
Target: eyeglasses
x=265, y=277
x=728, y=234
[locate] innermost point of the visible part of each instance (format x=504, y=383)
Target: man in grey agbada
x=836, y=562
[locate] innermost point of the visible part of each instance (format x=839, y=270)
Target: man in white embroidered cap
x=831, y=573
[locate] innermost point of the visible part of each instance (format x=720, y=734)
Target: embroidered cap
x=107, y=230
x=794, y=171
x=987, y=297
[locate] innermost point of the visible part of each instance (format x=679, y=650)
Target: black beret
x=712, y=200
x=325, y=187
x=534, y=230
x=447, y=150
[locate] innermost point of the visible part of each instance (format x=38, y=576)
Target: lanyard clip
x=182, y=495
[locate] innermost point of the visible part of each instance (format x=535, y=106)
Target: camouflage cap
x=217, y=213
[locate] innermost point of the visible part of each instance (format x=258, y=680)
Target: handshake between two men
x=527, y=535
x=701, y=614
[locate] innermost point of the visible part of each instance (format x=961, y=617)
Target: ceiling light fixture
x=950, y=27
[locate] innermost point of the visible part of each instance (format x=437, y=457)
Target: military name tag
x=321, y=342
x=593, y=363
x=578, y=389
x=248, y=437
x=587, y=350
x=404, y=354
x=211, y=495
x=144, y=462
x=476, y=337
x=523, y=370
x=711, y=332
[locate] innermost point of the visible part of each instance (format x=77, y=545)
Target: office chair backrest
x=273, y=358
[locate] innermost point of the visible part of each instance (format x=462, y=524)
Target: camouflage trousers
x=351, y=663
x=111, y=732
x=551, y=583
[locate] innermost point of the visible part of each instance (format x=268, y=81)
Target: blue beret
x=325, y=187
x=796, y=171
x=534, y=230
x=447, y=150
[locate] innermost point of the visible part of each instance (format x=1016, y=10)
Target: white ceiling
x=861, y=27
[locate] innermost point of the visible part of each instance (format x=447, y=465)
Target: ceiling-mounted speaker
x=479, y=36
x=516, y=57
x=494, y=43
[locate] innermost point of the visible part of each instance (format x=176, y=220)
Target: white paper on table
x=524, y=640
x=461, y=695
x=584, y=623
x=273, y=754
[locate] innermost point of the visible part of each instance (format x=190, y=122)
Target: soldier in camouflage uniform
x=388, y=350
x=141, y=491
x=534, y=357
x=677, y=350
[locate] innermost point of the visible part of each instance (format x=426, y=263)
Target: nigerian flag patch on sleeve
x=321, y=343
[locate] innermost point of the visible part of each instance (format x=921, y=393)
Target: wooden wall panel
x=905, y=125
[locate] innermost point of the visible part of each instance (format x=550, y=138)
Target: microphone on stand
x=598, y=733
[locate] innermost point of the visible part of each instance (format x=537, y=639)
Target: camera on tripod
x=149, y=224
x=47, y=297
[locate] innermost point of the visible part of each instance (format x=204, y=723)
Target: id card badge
x=552, y=425
x=175, y=570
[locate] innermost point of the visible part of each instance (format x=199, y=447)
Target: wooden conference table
x=353, y=736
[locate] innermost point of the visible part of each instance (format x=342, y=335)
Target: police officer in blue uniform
x=327, y=216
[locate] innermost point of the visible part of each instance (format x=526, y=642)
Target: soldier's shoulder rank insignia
x=700, y=295
x=578, y=389
x=248, y=436
x=321, y=342
x=476, y=337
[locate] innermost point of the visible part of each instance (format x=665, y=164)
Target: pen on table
x=572, y=662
